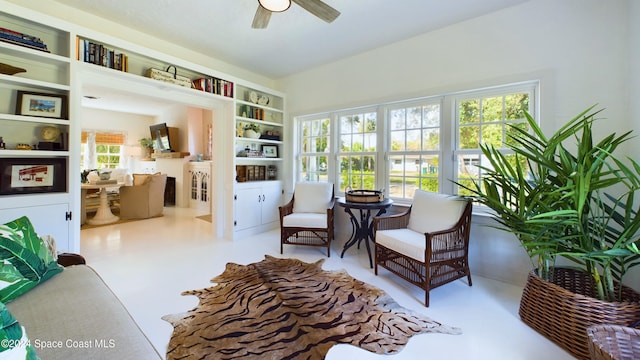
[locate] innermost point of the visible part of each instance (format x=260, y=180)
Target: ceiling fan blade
x=261, y=19
x=319, y=9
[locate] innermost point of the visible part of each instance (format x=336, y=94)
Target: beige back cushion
x=142, y=179
x=433, y=212
x=312, y=197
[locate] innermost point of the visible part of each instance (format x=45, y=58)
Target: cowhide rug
x=289, y=309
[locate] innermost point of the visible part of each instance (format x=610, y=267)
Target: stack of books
x=95, y=53
x=18, y=38
x=214, y=85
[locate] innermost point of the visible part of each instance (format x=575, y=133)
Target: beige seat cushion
x=76, y=305
x=405, y=241
x=306, y=220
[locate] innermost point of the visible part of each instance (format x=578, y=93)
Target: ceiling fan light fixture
x=275, y=5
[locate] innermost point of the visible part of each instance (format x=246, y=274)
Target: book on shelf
x=98, y=54
x=17, y=38
x=252, y=112
x=214, y=85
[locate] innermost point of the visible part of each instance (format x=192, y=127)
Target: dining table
x=103, y=214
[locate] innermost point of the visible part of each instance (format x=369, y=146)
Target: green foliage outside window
x=107, y=156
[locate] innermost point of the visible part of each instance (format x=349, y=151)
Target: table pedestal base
x=104, y=214
x=362, y=227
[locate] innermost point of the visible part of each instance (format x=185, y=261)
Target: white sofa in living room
x=66, y=312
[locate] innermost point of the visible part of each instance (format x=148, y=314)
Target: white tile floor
x=149, y=263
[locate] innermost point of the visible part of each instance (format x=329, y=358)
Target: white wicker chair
x=427, y=245
x=308, y=218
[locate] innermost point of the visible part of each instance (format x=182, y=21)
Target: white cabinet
x=200, y=186
x=50, y=220
x=35, y=124
x=256, y=205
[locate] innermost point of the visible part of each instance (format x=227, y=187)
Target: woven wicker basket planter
x=563, y=309
x=607, y=342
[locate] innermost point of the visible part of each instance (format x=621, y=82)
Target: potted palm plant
x=568, y=197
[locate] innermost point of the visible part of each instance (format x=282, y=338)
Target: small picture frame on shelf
x=41, y=104
x=270, y=151
x=32, y=175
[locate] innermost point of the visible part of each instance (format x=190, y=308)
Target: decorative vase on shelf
x=251, y=134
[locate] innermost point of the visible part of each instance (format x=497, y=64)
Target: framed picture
x=270, y=151
x=32, y=175
x=40, y=104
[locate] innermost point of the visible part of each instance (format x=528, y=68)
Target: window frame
x=448, y=162
x=377, y=155
x=300, y=141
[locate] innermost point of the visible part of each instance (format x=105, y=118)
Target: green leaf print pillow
x=25, y=260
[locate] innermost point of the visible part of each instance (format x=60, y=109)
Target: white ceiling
x=295, y=40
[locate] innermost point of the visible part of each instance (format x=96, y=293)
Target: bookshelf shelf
x=94, y=52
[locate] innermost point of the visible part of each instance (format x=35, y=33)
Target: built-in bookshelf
x=258, y=146
x=259, y=131
x=35, y=122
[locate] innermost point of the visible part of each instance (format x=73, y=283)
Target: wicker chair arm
x=395, y=221
x=332, y=204
x=286, y=209
x=330, y=208
x=453, y=239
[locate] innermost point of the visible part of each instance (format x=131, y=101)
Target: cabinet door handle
x=258, y=198
x=262, y=197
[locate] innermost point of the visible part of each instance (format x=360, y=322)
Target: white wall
x=579, y=49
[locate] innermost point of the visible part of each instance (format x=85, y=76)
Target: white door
x=272, y=199
x=247, y=208
x=46, y=219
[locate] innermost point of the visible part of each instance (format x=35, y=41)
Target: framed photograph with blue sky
x=41, y=104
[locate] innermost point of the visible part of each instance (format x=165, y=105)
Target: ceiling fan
x=316, y=7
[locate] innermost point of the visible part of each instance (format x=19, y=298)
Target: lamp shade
x=275, y=5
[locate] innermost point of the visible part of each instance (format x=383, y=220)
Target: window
x=358, y=150
x=427, y=143
x=101, y=150
x=415, y=149
x=487, y=119
x=314, y=148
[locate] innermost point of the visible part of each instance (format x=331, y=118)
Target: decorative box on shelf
x=167, y=76
x=251, y=173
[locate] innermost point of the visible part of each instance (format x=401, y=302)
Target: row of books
x=251, y=112
x=99, y=54
x=18, y=38
x=214, y=85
